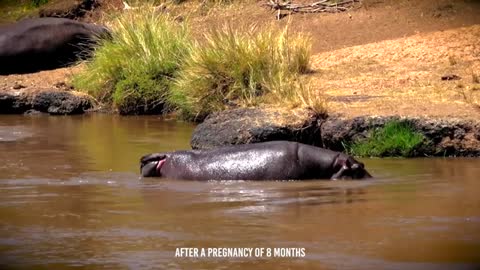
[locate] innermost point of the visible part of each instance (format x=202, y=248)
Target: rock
x=52, y=102
x=13, y=103
x=69, y=9
x=336, y=131
x=18, y=86
x=450, y=77
x=445, y=137
x=251, y=125
x=62, y=102
x=32, y=112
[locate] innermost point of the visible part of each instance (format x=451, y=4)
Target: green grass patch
x=37, y=3
x=22, y=3
x=14, y=10
x=396, y=138
x=135, y=69
x=246, y=67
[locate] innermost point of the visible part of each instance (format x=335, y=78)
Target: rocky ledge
x=70, y=9
x=54, y=102
x=245, y=125
x=444, y=137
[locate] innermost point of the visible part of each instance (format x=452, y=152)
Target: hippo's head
x=99, y=31
x=150, y=165
x=103, y=32
x=346, y=167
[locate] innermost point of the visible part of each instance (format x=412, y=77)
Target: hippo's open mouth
x=160, y=165
x=152, y=168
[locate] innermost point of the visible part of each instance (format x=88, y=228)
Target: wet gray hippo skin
x=45, y=43
x=276, y=160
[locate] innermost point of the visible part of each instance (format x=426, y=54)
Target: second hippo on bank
x=276, y=160
x=40, y=44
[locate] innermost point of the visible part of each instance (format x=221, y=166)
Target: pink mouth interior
x=160, y=164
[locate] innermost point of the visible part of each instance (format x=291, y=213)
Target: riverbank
x=381, y=61
x=451, y=137
x=44, y=92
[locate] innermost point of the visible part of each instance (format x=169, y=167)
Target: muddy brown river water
x=71, y=197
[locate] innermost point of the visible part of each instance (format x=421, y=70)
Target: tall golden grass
x=245, y=67
x=152, y=64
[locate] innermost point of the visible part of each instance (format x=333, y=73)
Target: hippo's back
x=264, y=161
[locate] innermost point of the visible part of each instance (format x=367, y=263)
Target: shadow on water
x=71, y=195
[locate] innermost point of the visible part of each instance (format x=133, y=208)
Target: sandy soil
x=404, y=76
x=40, y=81
x=384, y=57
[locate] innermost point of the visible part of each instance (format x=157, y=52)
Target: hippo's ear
x=358, y=171
x=357, y=166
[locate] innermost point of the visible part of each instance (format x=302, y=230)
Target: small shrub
x=241, y=68
x=471, y=95
x=396, y=138
x=140, y=93
x=475, y=77
x=452, y=60
x=135, y=69
x=37, y=3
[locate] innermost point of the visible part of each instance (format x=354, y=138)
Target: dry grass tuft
x=241, y=68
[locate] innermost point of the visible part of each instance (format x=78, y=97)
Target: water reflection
x=71, y=196
x=61, y=147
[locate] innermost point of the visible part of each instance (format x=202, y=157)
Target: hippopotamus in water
x=39, y=44
x=276, y=160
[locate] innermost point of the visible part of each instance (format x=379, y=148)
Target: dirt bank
x=404, y=76
x=381, y=58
